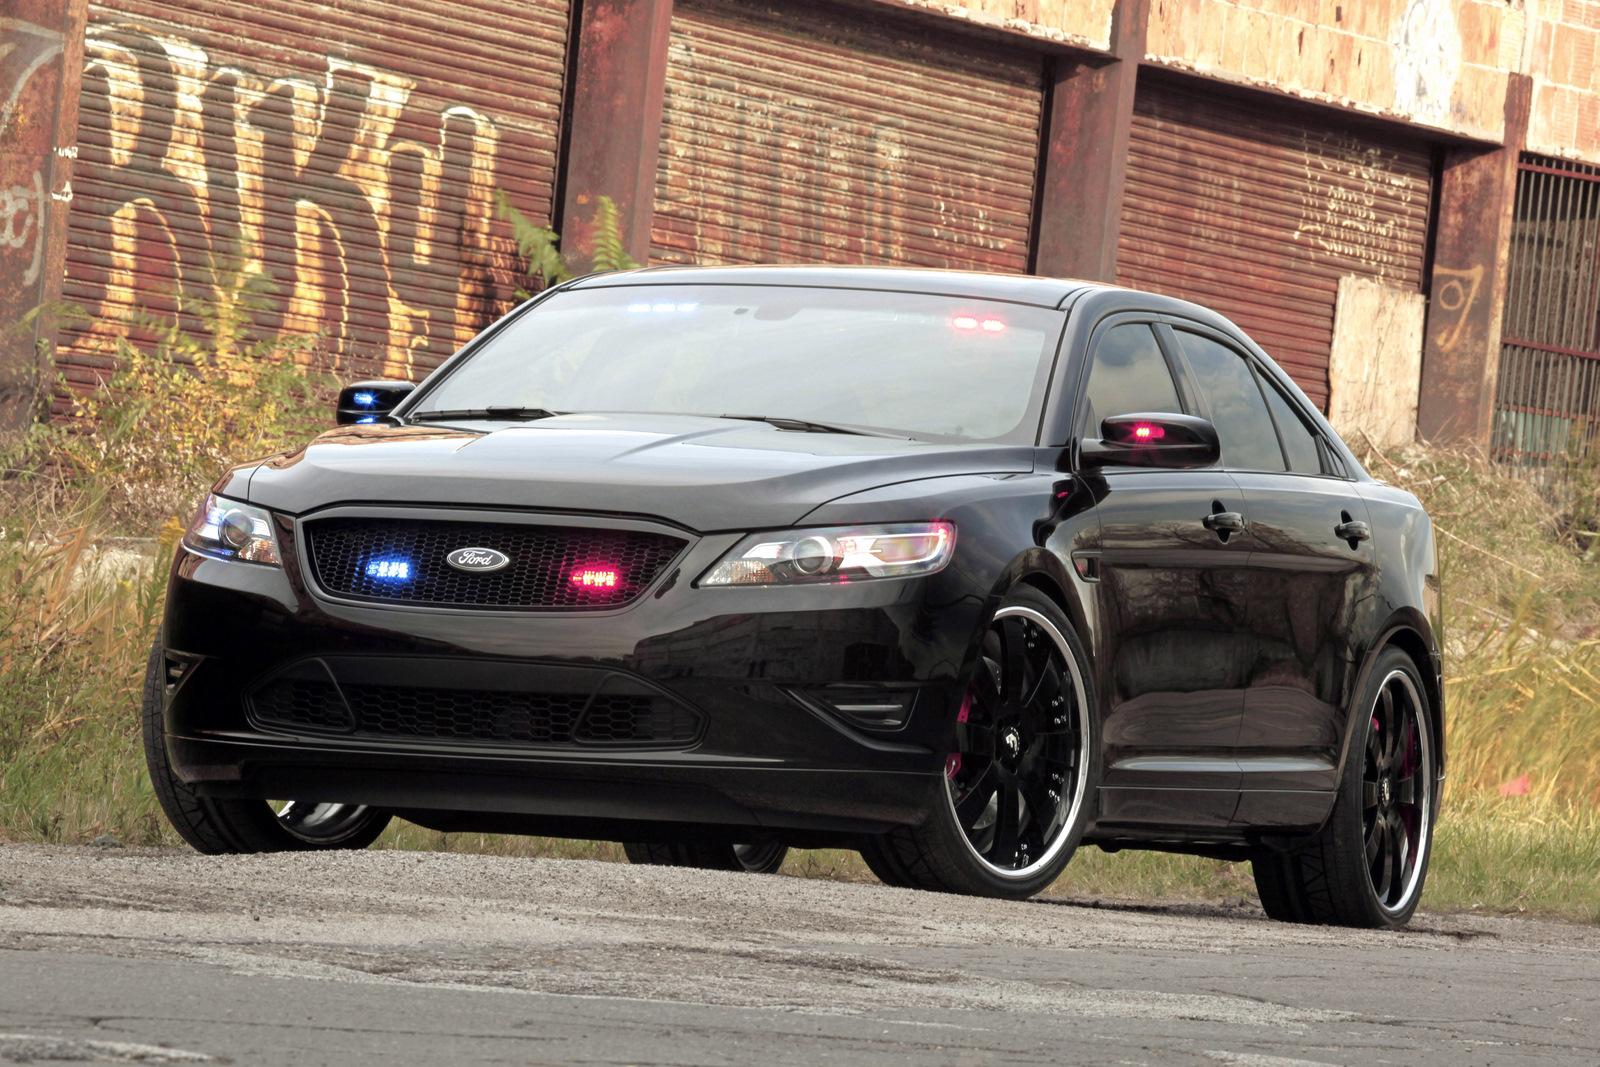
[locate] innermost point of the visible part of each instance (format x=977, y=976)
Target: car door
x=1311, y=570
x=1171, y=638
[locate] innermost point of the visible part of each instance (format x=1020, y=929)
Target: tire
x=1382, y=809
x=217, y=826
x=1032, y=720
x=761, y=858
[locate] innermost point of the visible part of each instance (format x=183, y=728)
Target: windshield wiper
x=494, y=413
x=804, y=425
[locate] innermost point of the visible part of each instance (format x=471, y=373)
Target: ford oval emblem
x=477, y=560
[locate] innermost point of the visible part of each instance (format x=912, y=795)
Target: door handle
x=1224, y=522
x=1353, y=530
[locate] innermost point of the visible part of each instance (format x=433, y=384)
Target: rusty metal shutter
x=1257, y=208
x=348, y=151
x=812, y=134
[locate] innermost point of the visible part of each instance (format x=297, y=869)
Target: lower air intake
x=598, y=708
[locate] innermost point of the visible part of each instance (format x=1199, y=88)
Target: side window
x=1299, y=443
x=1128, y=374
x=1237, y=407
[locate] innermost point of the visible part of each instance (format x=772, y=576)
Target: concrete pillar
x=41, y=68
x=1086, y=154
x=1467, y=291
x=613, y=134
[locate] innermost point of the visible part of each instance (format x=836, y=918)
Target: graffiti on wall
x=1427, y=61
x=30, y=82
x=1349, y=201
x=364, y=209
x=26, y=52
x=1455, y=294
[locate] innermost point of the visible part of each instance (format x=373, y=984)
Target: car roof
x=1017, y=288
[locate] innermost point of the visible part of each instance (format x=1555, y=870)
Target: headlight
x=838, y=554
x=229, y=530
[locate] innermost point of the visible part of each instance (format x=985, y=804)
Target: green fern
x=540, y=246
x=609, y=253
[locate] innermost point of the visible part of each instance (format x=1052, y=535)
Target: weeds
x=73, y=623
x=179, y=409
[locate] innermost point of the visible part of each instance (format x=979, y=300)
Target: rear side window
x=1128, y=373
x=1238, y=409
x=1299, y=443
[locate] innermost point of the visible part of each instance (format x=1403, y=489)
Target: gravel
x=671, y=947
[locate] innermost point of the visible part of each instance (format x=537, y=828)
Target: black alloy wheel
x=1017, y=782
x=1367, y=865
x=1014, y=777
x=1396, y=791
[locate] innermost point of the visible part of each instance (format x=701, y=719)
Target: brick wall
x=1079, y=23
x=1563, y=55
x=1440, y=64
x=1436, y=63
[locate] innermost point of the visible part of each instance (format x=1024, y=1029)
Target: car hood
x=705, y=474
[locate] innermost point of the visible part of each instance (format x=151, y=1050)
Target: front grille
x=307, y=699
x=363, y=557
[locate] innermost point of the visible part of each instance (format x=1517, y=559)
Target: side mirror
x=1153, y=439
x=370, y=401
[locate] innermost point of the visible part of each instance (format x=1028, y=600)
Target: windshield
x=923, y=366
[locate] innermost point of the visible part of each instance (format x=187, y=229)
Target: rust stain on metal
x=348, y=157
x=806, y=137
x=1477, y=217
x=1245, y=208
x=1547, y=399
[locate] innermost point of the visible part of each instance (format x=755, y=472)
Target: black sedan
x=961, y=571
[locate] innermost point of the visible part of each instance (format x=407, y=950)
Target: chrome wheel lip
x=318, y=822
x=1080, y=779
x=1424, y=777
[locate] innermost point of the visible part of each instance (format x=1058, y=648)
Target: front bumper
x=761, y=672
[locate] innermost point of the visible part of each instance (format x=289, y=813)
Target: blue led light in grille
x=394, y=570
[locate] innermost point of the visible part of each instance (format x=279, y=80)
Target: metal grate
x=1547, y=397
x=494, y=716
x=403, y=560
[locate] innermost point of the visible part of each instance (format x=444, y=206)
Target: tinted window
x=1128, y=374
x=1299, y=443
x=925, y=366
x=1237, y=406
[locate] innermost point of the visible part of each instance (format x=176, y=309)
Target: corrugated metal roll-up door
x=1257, y=209
x=809, y=134
x=349, y=153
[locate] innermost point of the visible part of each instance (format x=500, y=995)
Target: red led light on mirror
x=596, y=577
x=1146, y=431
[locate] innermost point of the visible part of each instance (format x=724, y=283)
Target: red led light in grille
x=596, y=577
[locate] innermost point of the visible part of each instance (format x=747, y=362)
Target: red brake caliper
x=952, y=762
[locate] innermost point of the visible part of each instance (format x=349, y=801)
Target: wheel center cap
x=1385, y=791
x=1011, y=741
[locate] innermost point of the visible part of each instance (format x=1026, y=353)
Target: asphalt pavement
x=126, y=955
